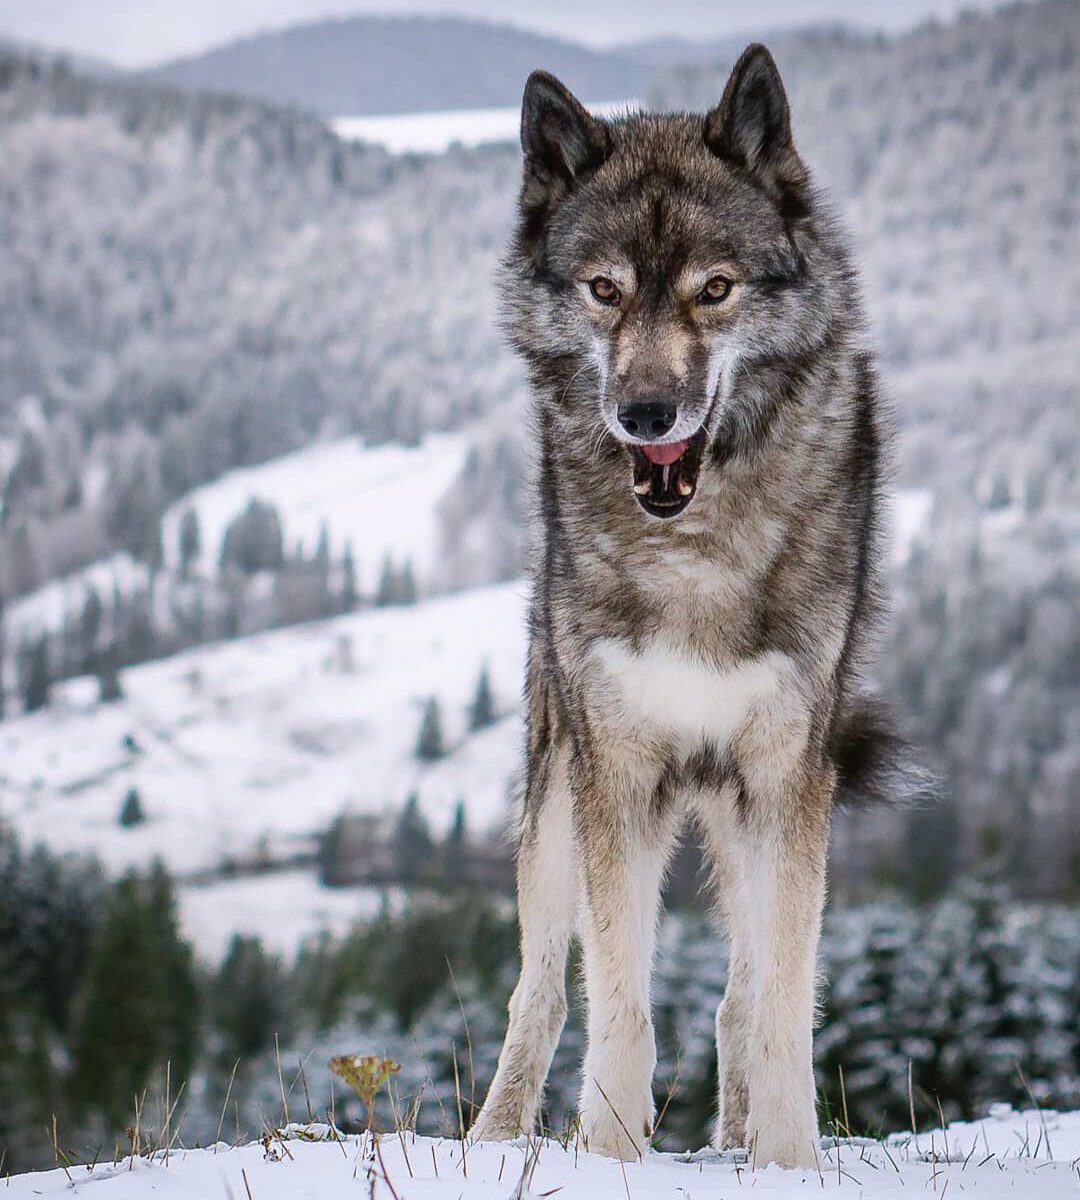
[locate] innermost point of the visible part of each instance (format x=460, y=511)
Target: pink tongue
x=666, y=454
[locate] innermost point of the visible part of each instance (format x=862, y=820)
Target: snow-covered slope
x=383, y=499
x=249, y=747
x=1021, y=1156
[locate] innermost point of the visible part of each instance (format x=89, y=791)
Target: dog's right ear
x=562, y=141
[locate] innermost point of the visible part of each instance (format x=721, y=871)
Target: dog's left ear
x=560, y=138
x=751, y=126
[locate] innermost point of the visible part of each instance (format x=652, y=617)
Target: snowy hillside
x=248, y=748
x=382, y=499
x=1019, y=1155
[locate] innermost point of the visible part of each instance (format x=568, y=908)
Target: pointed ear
x=751, y=126
x=561, y=140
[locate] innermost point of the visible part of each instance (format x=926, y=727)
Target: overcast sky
x=142, y=32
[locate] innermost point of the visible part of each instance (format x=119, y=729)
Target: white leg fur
x=785, y=873
x=548, y=894
x=734, y=1016
x=618, y=936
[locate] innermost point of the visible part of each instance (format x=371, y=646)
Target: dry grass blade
x=225, y=1103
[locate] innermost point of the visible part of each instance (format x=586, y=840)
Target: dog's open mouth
x=666, y=474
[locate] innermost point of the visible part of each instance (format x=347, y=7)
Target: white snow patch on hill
x=1021, y=1156
x=248, y=748
x=382, y=498
x=434, y=132
x=281, y=909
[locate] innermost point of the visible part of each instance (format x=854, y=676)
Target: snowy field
x=249, y=748
x=1019, y=1156
x=434, y=132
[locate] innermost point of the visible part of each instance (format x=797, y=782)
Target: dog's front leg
x=623, y=845
x=548, y=888
x=786, y=841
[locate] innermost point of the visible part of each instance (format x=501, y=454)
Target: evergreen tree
x=131, y=811
x=322, y=565
x=140, y=636
x=133, y=508
x=350, y=595
x=482, y=709
x=3, y=656
x=253, y=540
x=386, y=588
x=406, y=587
x=429, y=742
x=455, y=847
x=37, y=680
x=138, y=1005
x=90, y=621
x=413, y=847
x=395, y=586
x=248, y=1001
x=108, y=677
x=190, y=541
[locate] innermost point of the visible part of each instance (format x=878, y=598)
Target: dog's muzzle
x=666, y=474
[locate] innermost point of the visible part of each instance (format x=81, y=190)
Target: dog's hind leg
x=624, y=840
x=548, y=890
x=714, y=812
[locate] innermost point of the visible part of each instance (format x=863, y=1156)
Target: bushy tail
x=874, y=763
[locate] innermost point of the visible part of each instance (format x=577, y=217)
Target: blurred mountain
x=364, y=65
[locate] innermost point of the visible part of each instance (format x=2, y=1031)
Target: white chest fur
x=679, y=696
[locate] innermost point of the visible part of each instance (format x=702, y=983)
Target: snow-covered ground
x=248, y=748
x=1014, y=1155
x=434, y=132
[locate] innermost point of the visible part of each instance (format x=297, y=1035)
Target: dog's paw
x=502, y=1119
x=621, y=1131
x=794, y=1149
x=490, y=1128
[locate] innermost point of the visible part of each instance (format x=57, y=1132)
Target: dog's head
x=661, y=257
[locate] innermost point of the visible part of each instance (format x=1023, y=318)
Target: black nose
x=647, y=418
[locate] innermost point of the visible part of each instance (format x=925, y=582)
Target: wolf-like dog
x=710, y=461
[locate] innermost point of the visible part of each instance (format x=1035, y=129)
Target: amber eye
x=604, y=290
x=715, y=291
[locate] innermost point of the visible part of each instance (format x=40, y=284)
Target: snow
x=281, y=908
x=1026, y=1155
x=382, y=498
x=910, y=515
x=434, y=132
x=46, y=608
x=246, y=749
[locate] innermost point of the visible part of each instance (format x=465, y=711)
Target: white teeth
x=685, y=488
x=667, y=472
x=642, y=489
